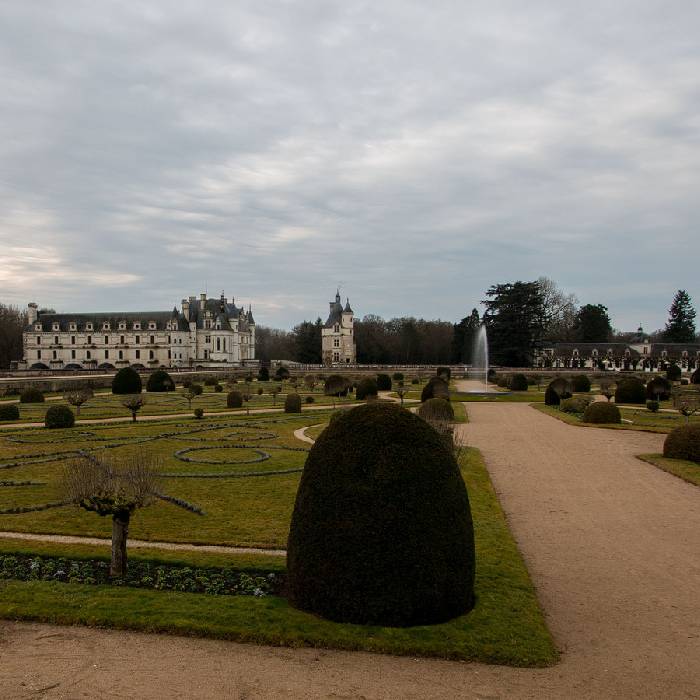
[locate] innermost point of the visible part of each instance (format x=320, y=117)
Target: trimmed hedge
x=602, y=412
x=436, y=409
x=59, y=417
x=281, y=374
x=160, y=380
x=234, y=399
x=576, y=404
x=383, y=382
x=9, y=412
x=366, y=389
x=436, y=388
x=31, y=395
x=518, y=382
x=292, y=403
x=263, y=374
x=210, y=381
x=684, y=443
x=336, y=385
x=127, y=381
x=658, y=389
x=445, y=373
x=381, y=532
x=652, y=405
x=581, y=383
x=673, y=373
x=551, y=398
x=199, y=413
x=695, y=377
x=398, y=376
x=631, y=390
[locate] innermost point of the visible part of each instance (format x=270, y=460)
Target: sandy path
x=611, y=543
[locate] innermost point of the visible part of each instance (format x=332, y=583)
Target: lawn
x=688, y=471
x=506, y=627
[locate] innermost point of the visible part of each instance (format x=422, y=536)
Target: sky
x=412, y=153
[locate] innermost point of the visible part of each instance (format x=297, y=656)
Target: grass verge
x=506, y=626
x=574, y=420
x=688, y=471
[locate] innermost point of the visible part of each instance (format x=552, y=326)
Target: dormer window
x=595, y=353
x=73, y=327
x=88, y=326
x=151, y=326
x=137, y=326
x=56, y=327
x=105, y=326
x=37, y=327
x=337, y=328
x=122, y=326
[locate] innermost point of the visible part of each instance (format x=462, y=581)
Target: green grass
x=506, y=626
x=512, y=397
x=688, y=471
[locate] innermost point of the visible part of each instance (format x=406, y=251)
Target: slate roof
x=161, y=319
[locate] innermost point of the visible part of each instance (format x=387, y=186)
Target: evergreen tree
x=463, y=339
x=307, y=342
x=515, y=321
x=592, y=324
x=681, y=320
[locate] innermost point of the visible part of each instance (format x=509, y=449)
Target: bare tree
x=191, y=392
x=274, y=391
x=401, y=391
x=608, y=388
x=559, y=310
x=77, y=397
x=115, y=485
x=687, y=403
x=134, y=403
x=247, y=394
x=12, y=323
x=310, y=381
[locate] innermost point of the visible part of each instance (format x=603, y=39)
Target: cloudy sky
x=412, y=152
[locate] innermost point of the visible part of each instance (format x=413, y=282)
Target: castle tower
x=338, y=335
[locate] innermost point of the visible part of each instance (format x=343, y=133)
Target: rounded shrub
x=436, y=410
x=684, y=443
x=263, y=374
x=445, y=373
x=366, y=389
x=196, y=389
x=602, y=412
x=551, y=397
x=673, y=373
x=218, y=389
x=199, y=413
x=59, y=417
x=336, y=385
x=382, y=531
x=210, y=381
x=518, y=382
x=281, y=374
x=652, y=405
x=160, y=380
x=415, y=380
x=695, y=377
x=436, y=388
x=127, y=381
x=260, y=391
x=234, y=399
x=398, y=376
x=659, y=388
x=576, y=404
x=31, y=395
x=383, y=382
x=581, y=383
x=9, y=412
x=310, y=399
x=292, y=403
x=631, y=390
x=562, y=386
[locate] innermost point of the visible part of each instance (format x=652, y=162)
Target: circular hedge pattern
x=382, y=529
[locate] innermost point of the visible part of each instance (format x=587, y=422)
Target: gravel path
x=612, y=546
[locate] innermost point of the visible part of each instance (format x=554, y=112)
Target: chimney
x=32, y=313
x=202, y=300
x=186, y=309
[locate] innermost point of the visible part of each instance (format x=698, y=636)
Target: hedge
x=602, y=412
x=127, y=381
x=684, y=443
x=59, y=417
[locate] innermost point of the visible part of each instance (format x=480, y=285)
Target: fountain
x=480, y=358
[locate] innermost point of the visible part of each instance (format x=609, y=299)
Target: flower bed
x=142, y=574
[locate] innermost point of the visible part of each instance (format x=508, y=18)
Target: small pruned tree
x=275, y=390
x=77, y=397
x=608, y=387
x=191, y=392
x=310, y=381
x=247, y=394
x=401, y=391
x=134, y=403
x=687, y=403
x=115, y=486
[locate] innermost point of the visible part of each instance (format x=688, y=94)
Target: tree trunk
x=133, y=416
x=120, y=532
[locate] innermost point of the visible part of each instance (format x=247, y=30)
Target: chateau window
x=106, y=340
x=55, y=326
x=121, y=354
x=169, y=355
x=106, y=354
x=37, y=327
x=89, y=340
x=169, y=340
x=105, y=326
x=88, y=355
x=38, y=340
x=54, y=354
x=72, y=340
x=38, y=354
x=137, y=339
x=336, y=343
x=150, y=354
x=122, y=326
x=151, y=326
x=137, y=326
x=207, y=339
x=153, y=340
x=336, y=357
x=138, y=354
x=72, y=354
x=73, y=327
x=121, y=339
x=88, y=327
x=55, y=340
x=337, y=328
x=218, y=345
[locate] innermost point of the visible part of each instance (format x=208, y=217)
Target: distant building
x=337, y=335
x=637, y=353
x=203, y=333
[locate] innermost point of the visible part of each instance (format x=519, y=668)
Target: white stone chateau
x=204, y=333
x=338, y=336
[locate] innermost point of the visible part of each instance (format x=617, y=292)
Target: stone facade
x=203, y=333
x=338, y=335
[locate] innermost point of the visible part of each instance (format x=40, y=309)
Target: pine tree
x=681, y=320
x=592, y=324
x=463, y=339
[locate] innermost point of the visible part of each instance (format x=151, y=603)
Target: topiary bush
x=336, y=385
x=31, y=395
x=576, y=404
x=695, y=377
x=127, y=381
x=383, y=382
x=436, y=409
x=366, y=389
x=652, y=405
x=59, y=417
x=518, y=382
x=581, y=383
x=199, y=413
x=9, y=412
x=310, y=399
x=436, y=388
x=415, y=380
x=445, y=373
x=218, y=389
x=602, y=412
x=234, y=399
x=210, y=381
x=263, y=374
x=381, y=532
x=551, y=398
x=160, y=380
x=658, y=389
x=562, y=386
x=673, y=373
x=292, y=403
x=631, y=390
x=684, y=443
x=281, y=374
x=398, y=376
x=196, y=389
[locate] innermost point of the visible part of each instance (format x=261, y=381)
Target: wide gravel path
x=612, y=546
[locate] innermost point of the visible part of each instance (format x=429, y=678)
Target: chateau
x=203, y=333
x=337, y=335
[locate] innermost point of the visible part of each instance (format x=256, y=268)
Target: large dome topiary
x=383, y=382
x=551, y=398
x=160, y=380
x=581, y=383
x=292, y=403
x=381, y=531
x=602, y=412
x=695, y=377
x=683, y=442
x=59, y=417
x=126, y=381
x=234, y=399
x=9, y=412
x=518, y=382
x=436, y=409
x=366, y=389
x=31, y=395
x=631, y=390
x=436, y=388
x=673, y=372
x=659, y=389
